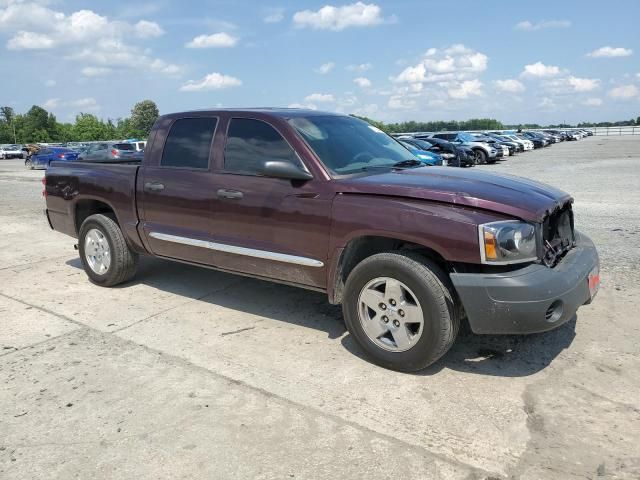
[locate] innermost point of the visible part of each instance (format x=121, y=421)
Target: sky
x=519, y=62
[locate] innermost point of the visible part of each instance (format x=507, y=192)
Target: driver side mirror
x=287, y=170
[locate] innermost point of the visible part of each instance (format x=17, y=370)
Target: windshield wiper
x=412, y=162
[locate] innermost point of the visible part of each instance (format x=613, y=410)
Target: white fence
x=621, y=130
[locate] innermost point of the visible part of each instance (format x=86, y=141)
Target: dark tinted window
x=124, y=146
x=188, y=143
x=252, y=142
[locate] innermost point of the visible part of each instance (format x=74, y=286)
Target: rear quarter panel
x=68, y=183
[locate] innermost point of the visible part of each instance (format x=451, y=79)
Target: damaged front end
x=558, y=235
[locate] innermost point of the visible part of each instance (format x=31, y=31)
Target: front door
x=269, y=227
x=177, y=191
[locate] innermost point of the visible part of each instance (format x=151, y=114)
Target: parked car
x=465, y=156
x=109, y=151
x=526, y=144
x=538, y=140
x=11, y=151
x=513, y=146
x=427, y=157
x=507, y=148
x=449, y=154
x=44, y=157
x=484, y=153
x=329, y=203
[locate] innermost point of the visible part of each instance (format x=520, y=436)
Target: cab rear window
x=124, y=146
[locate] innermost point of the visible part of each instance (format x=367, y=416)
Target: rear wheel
x=105, y=255
x=400, y=309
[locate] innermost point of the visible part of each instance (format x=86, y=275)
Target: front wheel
x=105, y=255
x=480, y=156
x=400, y=309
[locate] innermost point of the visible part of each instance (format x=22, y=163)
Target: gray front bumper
x=520, y=301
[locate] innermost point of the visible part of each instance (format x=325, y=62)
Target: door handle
x=231, y=194
x=153, y=186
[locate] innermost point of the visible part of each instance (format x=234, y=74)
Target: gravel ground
x=191, y=373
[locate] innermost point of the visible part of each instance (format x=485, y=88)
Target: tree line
x=485, y=124
x=38, y=125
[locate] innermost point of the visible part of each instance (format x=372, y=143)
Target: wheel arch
x=361, y=247
x=86, y=207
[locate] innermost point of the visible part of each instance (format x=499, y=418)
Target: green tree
x=143, y=116
x=88, y=127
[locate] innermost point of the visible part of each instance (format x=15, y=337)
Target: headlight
x=507, y=242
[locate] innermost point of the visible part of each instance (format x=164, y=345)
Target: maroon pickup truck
x=330, y=203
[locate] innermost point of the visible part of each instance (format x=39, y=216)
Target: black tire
x=480, y=156
x=123, y=260
x=434, y=292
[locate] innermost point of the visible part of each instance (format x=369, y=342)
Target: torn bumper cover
x=533, y=299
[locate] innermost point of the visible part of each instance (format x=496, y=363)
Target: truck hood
x=505, y=194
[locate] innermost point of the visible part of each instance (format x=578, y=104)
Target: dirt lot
x=190, y=373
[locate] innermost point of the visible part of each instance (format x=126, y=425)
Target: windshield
x=347, y=145
x=466, y=137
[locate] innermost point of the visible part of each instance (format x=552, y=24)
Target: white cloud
x=509, y=85
x=529, y=26
x=51, y=104
x=145, y=29
x=50, y=83
x=454, y=63
x=362, y=82
x=306, y=106
x=115, y=54
x=400, y=102
x=213, y=81
x=583, y=84
x=608, y=52
x=217, y=40
x=274, y=17
x=540, y=70
x=95, y=71
x=30, y=41
x=362, y=67
x=88, y=103
x=82, y=35
x=320, y=98
x=358, y=14
x=592, y=102
x=325, y=68
x=83, y=104
x=466, y=89
x=624, y=92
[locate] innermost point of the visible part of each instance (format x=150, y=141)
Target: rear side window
x=124, y=146
x=252, y=142
x=188, y=143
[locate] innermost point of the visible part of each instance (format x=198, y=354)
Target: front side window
x=189, y=143
x=347, y=145
x=251, y=143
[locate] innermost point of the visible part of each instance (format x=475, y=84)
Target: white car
x=11, y=151
x=527, y=144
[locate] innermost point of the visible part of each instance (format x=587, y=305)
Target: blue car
x=428, y=158
x=46, y=155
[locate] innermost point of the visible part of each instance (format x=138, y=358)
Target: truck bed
x=73, y=187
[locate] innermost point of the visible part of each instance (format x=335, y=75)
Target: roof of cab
x=275, y=111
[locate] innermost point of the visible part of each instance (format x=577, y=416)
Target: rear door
x=177, y=192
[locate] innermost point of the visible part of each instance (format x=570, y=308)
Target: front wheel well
x=362, y=247
x=86, y=208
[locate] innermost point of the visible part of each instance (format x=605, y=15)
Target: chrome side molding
x=247, y=252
